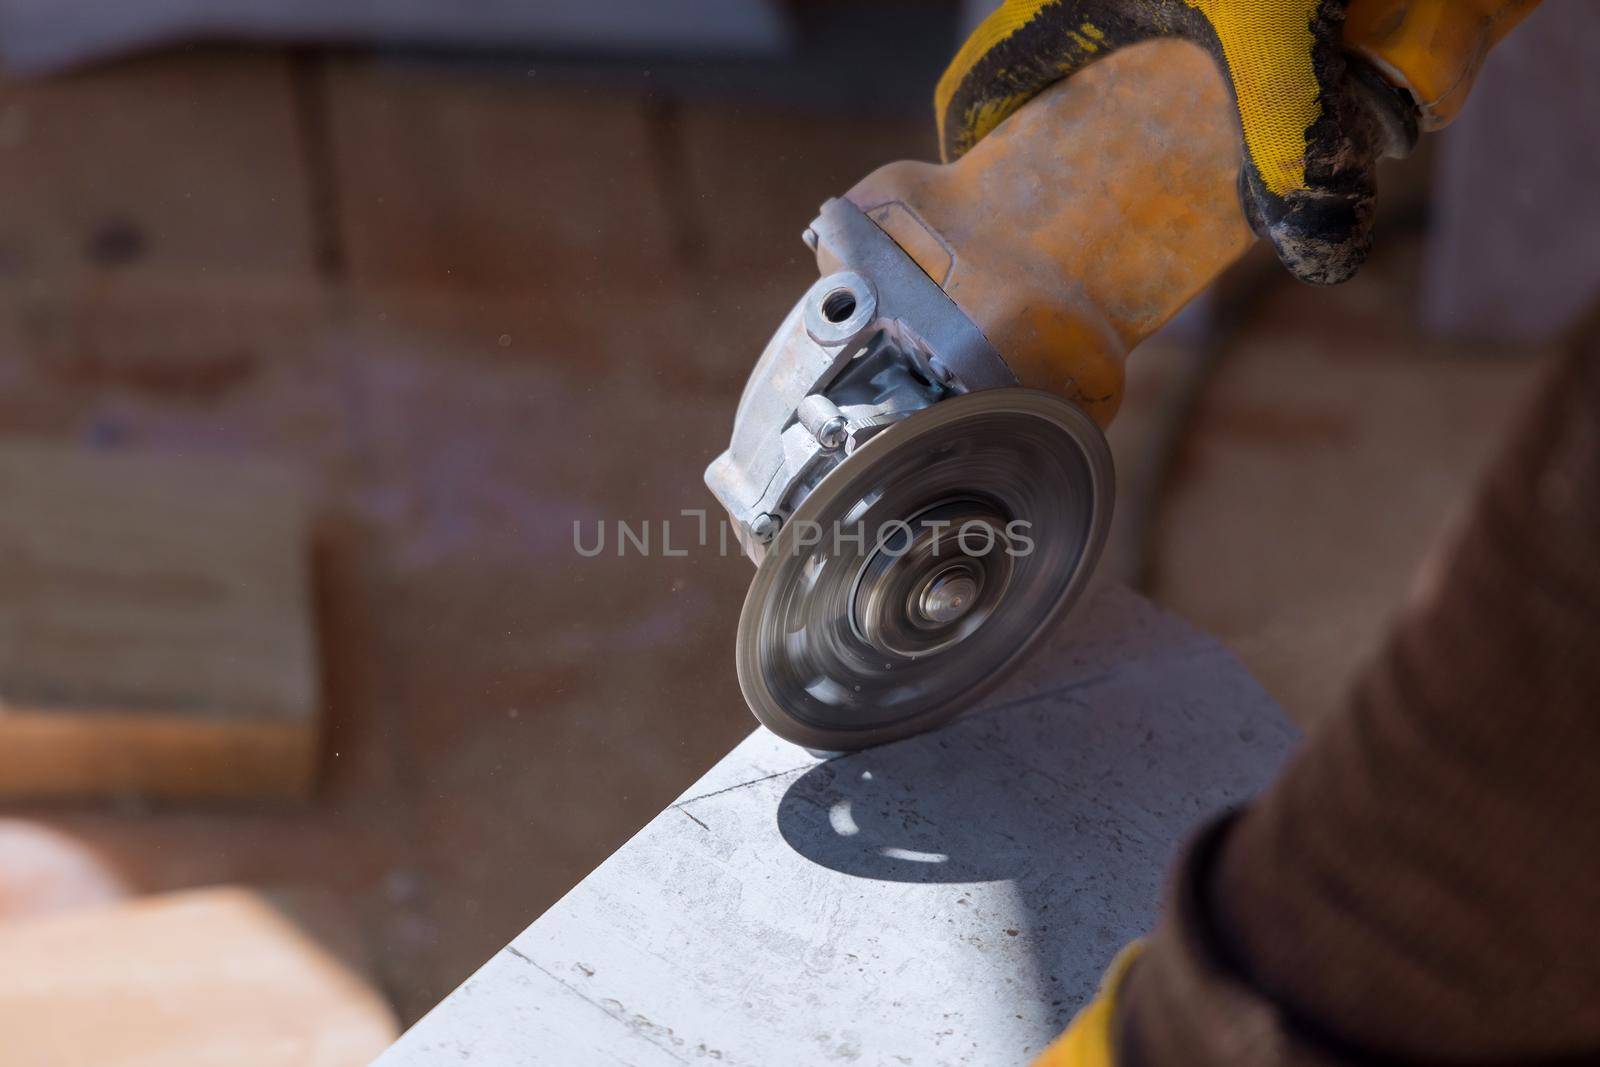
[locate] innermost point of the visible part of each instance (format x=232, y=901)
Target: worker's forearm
x=1423, y=884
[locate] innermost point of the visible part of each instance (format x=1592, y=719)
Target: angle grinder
x=917, y=466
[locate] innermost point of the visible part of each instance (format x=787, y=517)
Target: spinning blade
x=923, y=567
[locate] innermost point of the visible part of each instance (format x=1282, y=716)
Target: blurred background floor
x=475, y=303
x=1330, y=447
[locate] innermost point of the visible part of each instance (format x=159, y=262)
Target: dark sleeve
x=1422, y=885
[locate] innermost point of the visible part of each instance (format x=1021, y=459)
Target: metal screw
x=765, y=527
x=810, y=238
x=832, y=434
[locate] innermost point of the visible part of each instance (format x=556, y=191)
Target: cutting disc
x=922, y=568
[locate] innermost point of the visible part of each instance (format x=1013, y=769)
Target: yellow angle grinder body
x=917, y=465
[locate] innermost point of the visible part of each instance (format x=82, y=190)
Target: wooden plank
x=951, y=899
x=154, y=627
x=166, y=232
x=185, y=165
x=200, y=978
x=451, y=185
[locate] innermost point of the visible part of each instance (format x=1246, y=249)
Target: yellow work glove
x=1089, y=1041
x=1314, y=123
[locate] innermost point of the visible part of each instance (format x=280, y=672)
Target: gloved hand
x=1315, y=121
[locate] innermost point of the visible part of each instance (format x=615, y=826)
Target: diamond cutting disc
x=923, y=567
